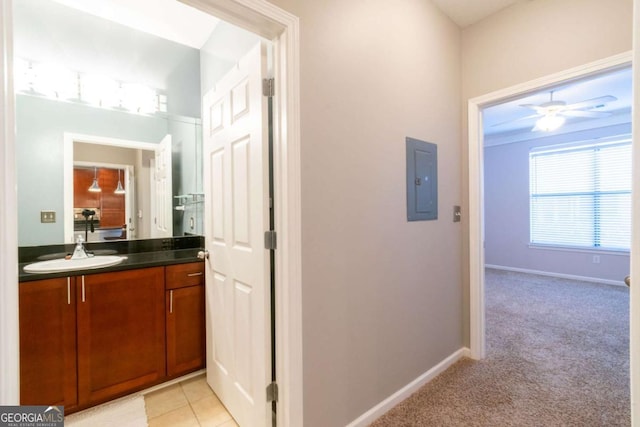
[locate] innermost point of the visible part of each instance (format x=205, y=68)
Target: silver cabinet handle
x=170, y=302
x=627, y=280
x=83, y=299
x=203, y=254
x=68, y=290
x=194, y=274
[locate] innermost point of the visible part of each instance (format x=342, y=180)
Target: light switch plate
x=47, y=217
x=457, y=214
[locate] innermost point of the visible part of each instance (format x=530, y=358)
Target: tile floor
x=188, y=403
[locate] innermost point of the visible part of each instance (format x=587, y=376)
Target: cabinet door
x=48, y=343
x=121, y=332
x=185, y=330
x=183, y=275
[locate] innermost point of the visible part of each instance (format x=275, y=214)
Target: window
x=580, y=196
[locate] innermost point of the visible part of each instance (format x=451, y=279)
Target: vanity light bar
x=56, y=82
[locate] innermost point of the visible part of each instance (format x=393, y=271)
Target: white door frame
x=272, y=23
x=476, y=188
x=9, y=366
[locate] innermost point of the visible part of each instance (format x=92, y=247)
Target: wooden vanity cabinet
x=121, y=332
x=185, y=318
x=88, y=339
x=48, y=343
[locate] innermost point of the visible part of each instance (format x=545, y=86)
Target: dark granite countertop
x=139, y=254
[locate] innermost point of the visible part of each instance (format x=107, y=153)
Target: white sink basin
x=58, y=265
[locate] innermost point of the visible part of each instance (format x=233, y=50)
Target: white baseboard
x=381, y=408
x=558, y=275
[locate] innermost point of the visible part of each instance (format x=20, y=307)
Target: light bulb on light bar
x=139, y=98
x=550, y=122
x=55, y=81
x=99, y=90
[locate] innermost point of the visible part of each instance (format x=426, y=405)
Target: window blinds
x=580, y=196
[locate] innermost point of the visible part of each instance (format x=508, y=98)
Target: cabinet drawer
x=182, y=275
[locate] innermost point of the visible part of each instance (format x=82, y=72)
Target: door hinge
x=268, y=87
x=270, y=239
x=272, y=392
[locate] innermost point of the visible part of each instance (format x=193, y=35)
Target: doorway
x=476, y=192
x=551, y=240
x=276, y=25
x=476, y=182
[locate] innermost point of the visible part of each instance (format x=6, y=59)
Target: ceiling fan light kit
x=553, y=114
x=549, y=123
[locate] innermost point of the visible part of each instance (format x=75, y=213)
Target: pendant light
x=119, y=189
x=95, y=188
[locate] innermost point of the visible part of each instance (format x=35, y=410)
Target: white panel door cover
x=236, y=217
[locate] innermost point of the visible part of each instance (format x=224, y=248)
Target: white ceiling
x=616, y=83
x=467, y=12
x=168, y=19
x=183, y=24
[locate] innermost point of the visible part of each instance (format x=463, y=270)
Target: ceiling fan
x=552, y=114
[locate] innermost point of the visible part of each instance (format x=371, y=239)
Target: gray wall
x=381, y=297
x=506, y=180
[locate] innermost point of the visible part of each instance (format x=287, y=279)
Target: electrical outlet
x=596, y=259
x=47, y=217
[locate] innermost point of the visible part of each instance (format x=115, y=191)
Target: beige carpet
x=558, y=355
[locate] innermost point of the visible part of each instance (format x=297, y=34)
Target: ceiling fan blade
x=589, y=114
x=591, y=102
x=516, y=120
x=537, y=108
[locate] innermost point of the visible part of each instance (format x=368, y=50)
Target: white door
x=162, y=191
x=236, y=217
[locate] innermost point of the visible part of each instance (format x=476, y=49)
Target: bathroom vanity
x=89, y=336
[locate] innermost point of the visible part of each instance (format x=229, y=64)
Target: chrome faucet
x=80, y=252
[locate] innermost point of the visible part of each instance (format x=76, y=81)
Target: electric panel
x=422, y=180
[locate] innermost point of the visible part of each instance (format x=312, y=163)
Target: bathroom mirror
x=96, y=94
